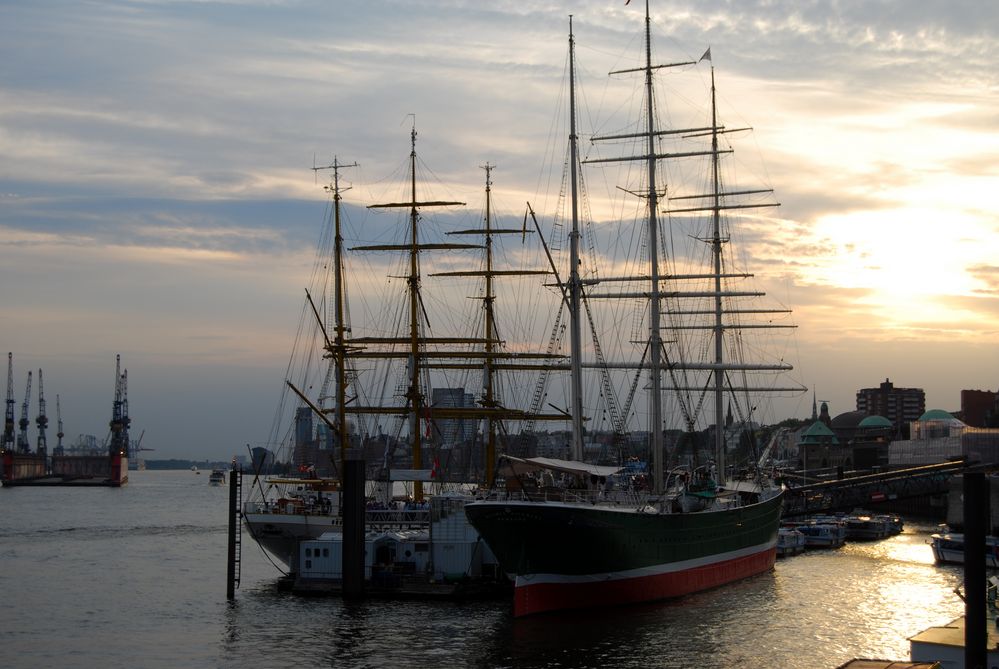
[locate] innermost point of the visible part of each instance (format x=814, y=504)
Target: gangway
x=858, y=491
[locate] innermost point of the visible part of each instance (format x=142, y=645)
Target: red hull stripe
x=538, y=595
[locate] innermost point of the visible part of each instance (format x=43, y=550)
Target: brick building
x=899, y=405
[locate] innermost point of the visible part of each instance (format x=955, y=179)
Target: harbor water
x=135, y=577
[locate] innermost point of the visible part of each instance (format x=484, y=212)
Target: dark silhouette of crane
x=59, y=450
x=22, y=437
x=119, y=413
x=8, y=423
x=42, y=421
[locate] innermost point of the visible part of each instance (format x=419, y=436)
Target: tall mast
x=414, y=393
x=489, y=397
x=494, y=359
x=655, y=276
x=716, y=251
x=340, y=326
x=655, y=332
x=575, y=286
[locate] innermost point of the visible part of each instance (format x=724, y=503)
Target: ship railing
x=397, y=517
x=291, y=507
x=616, y=497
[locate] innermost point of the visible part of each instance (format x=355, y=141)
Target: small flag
x=706, y=56
x=435, y=471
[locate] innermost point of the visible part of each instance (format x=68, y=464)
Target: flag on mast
x=706, y=56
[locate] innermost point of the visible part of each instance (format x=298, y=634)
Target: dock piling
x=353, y=524
x=976, y=519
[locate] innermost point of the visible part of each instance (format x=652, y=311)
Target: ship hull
x=570, y=556
x=280, y=534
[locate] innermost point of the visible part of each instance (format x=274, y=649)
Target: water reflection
x=817, y=609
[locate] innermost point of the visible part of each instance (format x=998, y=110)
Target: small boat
x=822, y=534
x=867, y=528
x=948, y=548
x=790, y=541
x=217, y=477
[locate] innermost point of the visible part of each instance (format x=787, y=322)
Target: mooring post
x=234, y=482
x=976, y=519
x=352, y=501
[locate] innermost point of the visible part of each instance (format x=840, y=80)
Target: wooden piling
x=234, y=482
x=353, y=524
x=976, y=519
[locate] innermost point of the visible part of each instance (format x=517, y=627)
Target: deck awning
x=513, y=465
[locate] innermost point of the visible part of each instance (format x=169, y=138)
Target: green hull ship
x=606, y=538
x=571, y=555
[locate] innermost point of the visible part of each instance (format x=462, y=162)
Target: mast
x=425, y=353
x=492, y=408
x=655, y=333
x=716, y=253
x=414, y=393
x=575, y=285
x=338, y=348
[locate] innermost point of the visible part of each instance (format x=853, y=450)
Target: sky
x=157, y=197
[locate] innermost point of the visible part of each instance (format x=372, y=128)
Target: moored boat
x=828, y=533
x=948, y=548
x=790, y=541
x=866, y=527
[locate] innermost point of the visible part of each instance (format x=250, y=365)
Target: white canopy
x=521, y=465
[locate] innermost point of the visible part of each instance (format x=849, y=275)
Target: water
x=135, y=577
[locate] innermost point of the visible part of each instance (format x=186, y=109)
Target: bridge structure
x=859, y=491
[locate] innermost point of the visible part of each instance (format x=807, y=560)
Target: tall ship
x=416, y=389
x=574, y=533
x=89, y=465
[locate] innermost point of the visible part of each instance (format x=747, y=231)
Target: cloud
x=156, y=195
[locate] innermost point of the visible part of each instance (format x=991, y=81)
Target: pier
x=858, y=491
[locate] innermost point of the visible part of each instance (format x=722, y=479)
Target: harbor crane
x=59, y=450
x=42, y=421
x=119, y=412
x=22, y=437
x=8, y=423
x=136, y=446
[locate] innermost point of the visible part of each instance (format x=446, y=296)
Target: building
x=979, y=407
x=936, y=437
x=450, y=431
x=899, y=405
x=819, y=448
